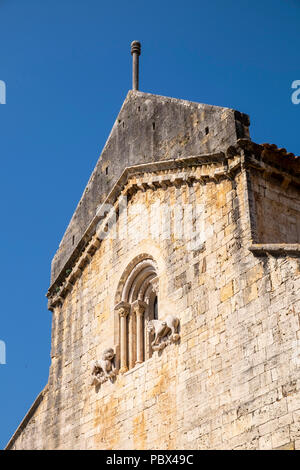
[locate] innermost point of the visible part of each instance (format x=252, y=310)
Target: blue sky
x=67, y=69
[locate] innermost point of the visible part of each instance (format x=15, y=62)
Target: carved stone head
x=108, y=354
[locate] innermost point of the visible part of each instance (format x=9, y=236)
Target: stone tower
x=175, y=291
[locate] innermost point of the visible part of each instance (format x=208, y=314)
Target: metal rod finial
x=136, y=47
x=135, y=52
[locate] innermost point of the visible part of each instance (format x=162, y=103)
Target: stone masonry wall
x=233, y=380
x=277, y=210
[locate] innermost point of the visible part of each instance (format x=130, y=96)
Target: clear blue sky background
x=67, y=67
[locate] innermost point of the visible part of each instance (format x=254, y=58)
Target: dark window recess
x=153, y=126
x=73, y=239
x=155, y=309
x=106, y=170
x=123, y=124
x=206, y=130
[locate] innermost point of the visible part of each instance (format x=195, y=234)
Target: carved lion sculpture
x=104, y=369
x=165, y=331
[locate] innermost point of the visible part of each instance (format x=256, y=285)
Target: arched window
x=137, y=302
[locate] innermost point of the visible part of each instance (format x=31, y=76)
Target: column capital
x=138, y=307
x=123, y=308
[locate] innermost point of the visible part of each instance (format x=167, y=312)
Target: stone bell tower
x=175, y=290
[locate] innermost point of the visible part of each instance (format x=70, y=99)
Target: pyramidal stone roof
x=150, y=128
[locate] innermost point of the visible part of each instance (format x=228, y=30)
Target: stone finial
x=135, y=52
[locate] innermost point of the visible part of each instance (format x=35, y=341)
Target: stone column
x=131, y=339
x=139, y=308
x=123, y=310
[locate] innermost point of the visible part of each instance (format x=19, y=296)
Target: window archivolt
x=137, y=303
x=138, y=329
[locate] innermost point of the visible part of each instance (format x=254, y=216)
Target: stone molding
x=275, y=249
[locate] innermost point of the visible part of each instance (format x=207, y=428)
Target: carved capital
x=139, y=307
x=123, y=309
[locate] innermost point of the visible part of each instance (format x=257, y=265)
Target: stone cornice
x=275, y=249
x=270, y=160
x=177, y=172
x=182, y=171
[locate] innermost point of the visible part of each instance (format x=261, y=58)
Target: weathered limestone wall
x=277, y=209
x=233, y=380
